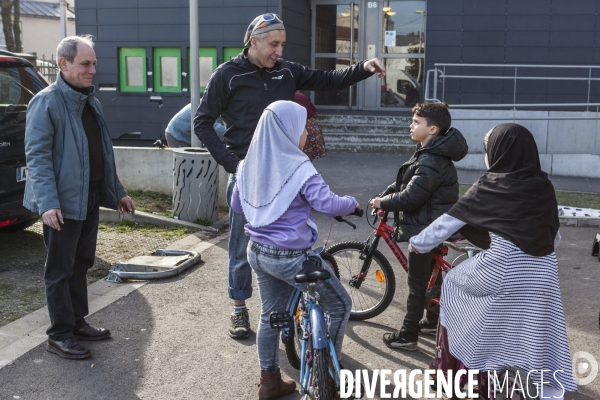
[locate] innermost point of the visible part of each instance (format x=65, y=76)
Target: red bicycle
x=368, y=276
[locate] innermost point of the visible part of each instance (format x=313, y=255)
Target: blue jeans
x=240, y=273
x=275, y=271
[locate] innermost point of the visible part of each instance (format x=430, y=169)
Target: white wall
x=42, y=35
x=142, y=168
x=569, y=147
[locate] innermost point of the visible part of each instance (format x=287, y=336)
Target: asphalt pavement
x=169, y=337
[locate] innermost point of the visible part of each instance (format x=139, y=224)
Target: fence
x=47, y=67
x=515, y=73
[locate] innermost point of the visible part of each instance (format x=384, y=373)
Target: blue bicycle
x=305, y=333
x=305, y=328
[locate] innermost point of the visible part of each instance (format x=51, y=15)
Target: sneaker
x=397, y=341
x=427, y=327
x=240, y=325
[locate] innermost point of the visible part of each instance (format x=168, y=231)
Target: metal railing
x=440, y=76
x=47, y=67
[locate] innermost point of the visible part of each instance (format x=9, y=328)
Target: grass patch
x=571, y=199
x=18, y=301
x=152, y=202
x=580, y=200
x=167, y=232
x=204, y=222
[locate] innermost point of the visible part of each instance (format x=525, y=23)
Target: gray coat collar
x=74, y=99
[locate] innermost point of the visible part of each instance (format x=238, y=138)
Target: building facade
x=143, y=46
x=40, y=27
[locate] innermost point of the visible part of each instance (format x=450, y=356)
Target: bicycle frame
x=383, y=230
x=315, y=327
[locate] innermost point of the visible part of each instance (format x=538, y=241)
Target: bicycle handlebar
x=463, y=249
x=359, y=212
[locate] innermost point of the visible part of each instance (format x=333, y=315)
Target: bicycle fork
x=367, y=255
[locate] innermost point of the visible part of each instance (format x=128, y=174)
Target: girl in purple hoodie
x=277, y=186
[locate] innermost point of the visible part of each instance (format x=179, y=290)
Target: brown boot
x=272, y=386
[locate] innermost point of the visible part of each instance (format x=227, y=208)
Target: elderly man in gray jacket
x=71, y=174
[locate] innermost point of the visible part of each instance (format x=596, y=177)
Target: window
x=167, y=69
x=132, y=70
x=403, y=39
x=18, y=84
x=208, y=63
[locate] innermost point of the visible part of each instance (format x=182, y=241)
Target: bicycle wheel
x=323, y=387
x=293, y=345
x=330, y=261
x=377, y=289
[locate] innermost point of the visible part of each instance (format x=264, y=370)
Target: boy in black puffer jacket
x=425, y=188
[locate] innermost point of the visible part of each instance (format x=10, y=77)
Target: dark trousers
x=420, y=267
x=71, y=252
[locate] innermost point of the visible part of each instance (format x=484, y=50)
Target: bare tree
x=11, y=16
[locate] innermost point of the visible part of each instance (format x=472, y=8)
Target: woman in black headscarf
x=503, y=307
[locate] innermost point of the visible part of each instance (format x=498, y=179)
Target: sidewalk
x=169, y=337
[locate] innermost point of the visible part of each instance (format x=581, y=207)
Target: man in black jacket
x=238, y=91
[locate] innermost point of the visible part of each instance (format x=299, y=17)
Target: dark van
x=19, y=82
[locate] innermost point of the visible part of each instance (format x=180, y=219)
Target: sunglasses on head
x=268, y=19
x=271, y=17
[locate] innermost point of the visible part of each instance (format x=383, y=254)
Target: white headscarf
x=274, y=169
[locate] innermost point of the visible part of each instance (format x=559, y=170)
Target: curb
x=580, y=222
x=108, y=215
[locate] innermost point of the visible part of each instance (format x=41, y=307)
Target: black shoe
x=68, y=348
x=240, y=325
x=88, y=332
x=427, y=327
x=397, y=341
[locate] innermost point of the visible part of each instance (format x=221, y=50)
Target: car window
x=18, y=84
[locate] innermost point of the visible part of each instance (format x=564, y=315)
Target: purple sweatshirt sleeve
x=322, y=199
x=236, y=204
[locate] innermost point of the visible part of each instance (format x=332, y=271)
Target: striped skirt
x=503, y=308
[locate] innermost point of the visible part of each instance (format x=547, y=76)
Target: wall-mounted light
x=390, y=13
x=386, y=9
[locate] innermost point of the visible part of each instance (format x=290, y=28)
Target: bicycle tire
x=377, y=289
x=292, y=347
x=330, y=261
x=320, y=380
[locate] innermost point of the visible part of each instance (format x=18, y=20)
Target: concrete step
x=367, y=133
x=364, y=119
x=366, y=137
x=369, y=147
x=365, y=128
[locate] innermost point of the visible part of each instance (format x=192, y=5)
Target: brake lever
x=374, y=214
x=341, y=219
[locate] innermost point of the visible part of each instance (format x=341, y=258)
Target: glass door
x=335, y=46
x=402, y=52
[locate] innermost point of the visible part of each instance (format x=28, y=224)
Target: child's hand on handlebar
x=376, y=202
x=357, y=211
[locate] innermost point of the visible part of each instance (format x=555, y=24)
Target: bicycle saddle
x=310, y=272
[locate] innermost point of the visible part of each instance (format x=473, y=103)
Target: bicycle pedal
x=280, y=319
